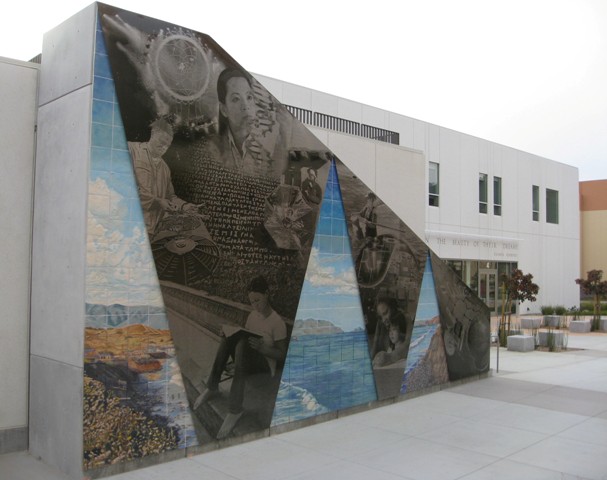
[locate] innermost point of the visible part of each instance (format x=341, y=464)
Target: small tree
x=594, y=285
x=517, y=287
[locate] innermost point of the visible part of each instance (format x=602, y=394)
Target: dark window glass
x=497, y=195
x=535, y=193
x=433, y=184
x=482, y=192
x=552, y=206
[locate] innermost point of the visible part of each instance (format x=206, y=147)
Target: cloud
x=120, y=266
x=323, y=274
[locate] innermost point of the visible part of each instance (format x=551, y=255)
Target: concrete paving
x=543, y=415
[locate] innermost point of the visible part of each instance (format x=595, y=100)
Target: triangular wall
x=132, y=381
x=464, y=320
x=328, y=366
x=426, y=360
x=243, y=191
x=389, y=260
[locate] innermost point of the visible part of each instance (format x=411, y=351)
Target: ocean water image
x=165, y=392
x=324, y=373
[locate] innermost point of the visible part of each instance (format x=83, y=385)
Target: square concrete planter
x=553, y=321
x=531, y=323
x=559, y=338
x=521, y=343
x=580, y=326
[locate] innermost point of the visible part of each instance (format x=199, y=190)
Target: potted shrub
x=550, y=319
x=547, y=310
x=594, y=285
x=561, y=312
x=552, y=338
x=516, y=287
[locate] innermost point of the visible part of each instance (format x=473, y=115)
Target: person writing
x=154, y=177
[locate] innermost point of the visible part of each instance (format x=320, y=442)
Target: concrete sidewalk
x=543, y=416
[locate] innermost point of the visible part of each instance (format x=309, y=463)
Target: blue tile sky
x=120, y=266
x=427, y=306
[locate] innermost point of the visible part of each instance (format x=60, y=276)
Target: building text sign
x=474, y=247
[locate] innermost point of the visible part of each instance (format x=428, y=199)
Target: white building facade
x=484, y=207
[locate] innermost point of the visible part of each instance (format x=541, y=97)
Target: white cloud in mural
x=322, y=273
x=120, y=266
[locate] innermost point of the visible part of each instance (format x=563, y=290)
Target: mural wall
x=240, y=276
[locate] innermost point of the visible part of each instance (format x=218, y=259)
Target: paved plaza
x=542, y=416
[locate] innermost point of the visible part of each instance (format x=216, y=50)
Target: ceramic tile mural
x=230, y=186
x=426, y=360
x=463, y=321
x=328, y=366
x=389, y=261
x=239, y=275
x=132, y=380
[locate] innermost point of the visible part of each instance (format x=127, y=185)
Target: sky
x=330, y=292
x=529, y=74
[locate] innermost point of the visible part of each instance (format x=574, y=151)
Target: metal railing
x=338, y=124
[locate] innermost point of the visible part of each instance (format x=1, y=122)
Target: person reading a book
x=255, y=349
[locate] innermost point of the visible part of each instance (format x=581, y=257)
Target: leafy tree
x=594, y=285
x=516, y=287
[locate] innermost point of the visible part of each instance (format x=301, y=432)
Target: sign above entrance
x=473, y=247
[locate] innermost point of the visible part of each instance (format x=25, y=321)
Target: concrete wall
x=59, y=243
x=395, y=173
x=456, y=229
x=18, y=97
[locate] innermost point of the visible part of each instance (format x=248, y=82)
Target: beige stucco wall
x=593, y=226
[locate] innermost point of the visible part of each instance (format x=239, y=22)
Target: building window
x=552, y=206
x=497, y=195
x=482, y=192
x=433, y=184
x=535, y=203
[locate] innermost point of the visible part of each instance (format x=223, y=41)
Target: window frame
x=434, y=196
x=552, y=216
x=497, y=196
x=535, y=203
x=483, y=206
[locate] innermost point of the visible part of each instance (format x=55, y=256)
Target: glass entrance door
x=487, y=288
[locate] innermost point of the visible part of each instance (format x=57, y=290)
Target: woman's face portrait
x=239, y=107
x=394, y=334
